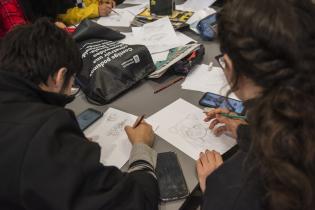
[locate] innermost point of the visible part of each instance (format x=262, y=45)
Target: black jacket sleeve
x=61, y=170
x=244, y=137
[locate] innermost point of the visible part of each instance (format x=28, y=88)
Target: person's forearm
x=143, y=158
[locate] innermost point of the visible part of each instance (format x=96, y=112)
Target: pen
x=169, y=84
x=233, y=116
x=138, y=121
x=115, y=12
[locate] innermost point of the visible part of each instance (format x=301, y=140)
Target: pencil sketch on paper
x=118, y=128
x=109, y=133
x=115, y=124
x=112, y=117
x=193, y=131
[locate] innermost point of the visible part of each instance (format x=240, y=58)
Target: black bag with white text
x=111, y=68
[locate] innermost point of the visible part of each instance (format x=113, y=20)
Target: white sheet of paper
x=181, y=124
x=204, y=80
x=122, y=19
x=183, y=39
x=135, y=10
x=109, y=133
x=194, y=5
x=129, y=39
x=157, y=36
x=136, y=1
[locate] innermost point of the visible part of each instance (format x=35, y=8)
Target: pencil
x=168, y=84
x=115, y=12
x=233, y=116
x=138, y=121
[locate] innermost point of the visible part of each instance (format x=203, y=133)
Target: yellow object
x=75, y=15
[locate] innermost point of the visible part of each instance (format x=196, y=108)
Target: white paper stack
x=203, y=79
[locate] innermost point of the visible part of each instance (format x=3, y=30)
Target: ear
x=229, y=69
x=59, y=78
x=228, y=63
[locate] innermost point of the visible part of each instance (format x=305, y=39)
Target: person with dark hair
x=268, y=57
x=46, y=162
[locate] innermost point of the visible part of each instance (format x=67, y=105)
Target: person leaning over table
x=88, y=9
x=46, y=162
x=268, y=56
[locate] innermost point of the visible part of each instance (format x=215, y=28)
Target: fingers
x=213, y=113
x=223, y=119
x=214, y=123
x=217, y=111
x=199, y=166
x=212, y=158
x=208, y=161
x=203, y=159
x=220, y=130
x=206, y=164
x=218, y=159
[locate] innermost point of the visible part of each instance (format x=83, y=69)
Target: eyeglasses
x=220, y=59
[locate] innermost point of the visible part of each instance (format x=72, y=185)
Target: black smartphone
x=88, y=117
x=215, y=101
x=171, y=180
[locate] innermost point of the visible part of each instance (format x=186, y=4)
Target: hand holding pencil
x=224, y=121
x=106, y=7
x=140, y=133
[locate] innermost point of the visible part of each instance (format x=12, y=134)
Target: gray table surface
x=141, y=100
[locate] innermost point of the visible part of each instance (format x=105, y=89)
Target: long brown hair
x=272, y=42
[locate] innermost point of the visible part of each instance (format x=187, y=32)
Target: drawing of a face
x=196, y=131
x=192, y=130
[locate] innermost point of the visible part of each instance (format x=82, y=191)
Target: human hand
x=206, y=164
x=142, y=134
x=229, y=125
x=104, y=8
x=60, y=25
